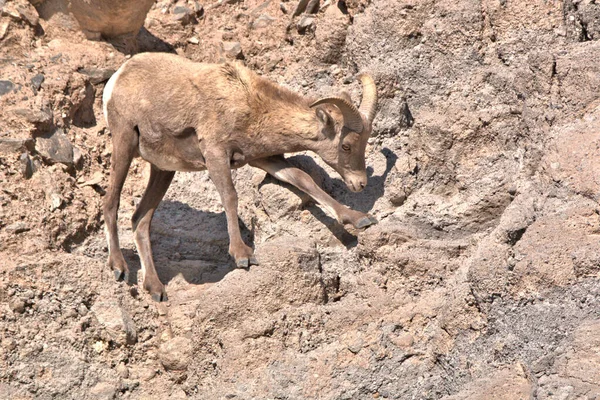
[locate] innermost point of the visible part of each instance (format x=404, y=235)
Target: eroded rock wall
x=480, y=280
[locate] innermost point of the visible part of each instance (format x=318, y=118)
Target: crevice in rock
x=516, y=235
x=343, y=7
x=584, y=35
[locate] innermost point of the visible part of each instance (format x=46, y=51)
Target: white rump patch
x=108, y=89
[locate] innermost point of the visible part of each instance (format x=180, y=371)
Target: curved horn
x=352, y=117
x=368, y=105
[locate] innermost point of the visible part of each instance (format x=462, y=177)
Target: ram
x=184, y=116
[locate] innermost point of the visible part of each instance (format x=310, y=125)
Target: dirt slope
x=481, y=280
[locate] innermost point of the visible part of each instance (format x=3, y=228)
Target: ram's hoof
x=121, y=275
x=246, y=262
x=158, y=297
x=366, y=221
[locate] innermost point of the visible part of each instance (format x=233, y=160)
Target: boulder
x=110, y=18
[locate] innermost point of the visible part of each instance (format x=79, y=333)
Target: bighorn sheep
x=185, y=116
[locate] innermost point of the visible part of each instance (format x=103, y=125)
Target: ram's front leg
x=218, y=165
x=281, y=169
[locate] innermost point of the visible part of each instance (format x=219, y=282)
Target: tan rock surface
x=480, y=280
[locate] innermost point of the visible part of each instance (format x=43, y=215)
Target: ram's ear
x=353, y=120
x=323, y=116
x=327, y=122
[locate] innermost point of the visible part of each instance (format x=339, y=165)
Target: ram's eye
x=345, y=147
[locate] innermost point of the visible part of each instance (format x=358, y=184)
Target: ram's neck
x=286, y=128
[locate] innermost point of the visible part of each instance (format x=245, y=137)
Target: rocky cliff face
x=480, y=280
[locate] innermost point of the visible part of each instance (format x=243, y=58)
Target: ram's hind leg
x=281, y=169
x=142, y=219
x=125, y=141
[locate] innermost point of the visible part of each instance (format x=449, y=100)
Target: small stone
x=397, y=199
x=96, y=179
x=77, y=158
x=71, y=313
x=6, y=87
x=178, y=10
x=55, y=148
x=55, y=201
x=146, y=374
x=36, y=82
x=83, y=324
x=262, y=22
x=28, y=13
x=116, y=321
x=4, y=28
x=193, y=40
x=128, y=385
x=305, y=23
x=9, y=344
x=233, y=50
x=335, y=70
x=166, y=335
x=273, y=62
x=99, y=346
x=183, y=15
x=178, y=394
x=17, y=227
x=97, y=75
x=9, y=145
x=42, y=120
x=82, y=309
x=305, y=216
x=176, y=353
x=17, y=306
x=27, y=167
x=102, y=391
x=403, y=340
x=356, y=346
x=123, y=371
